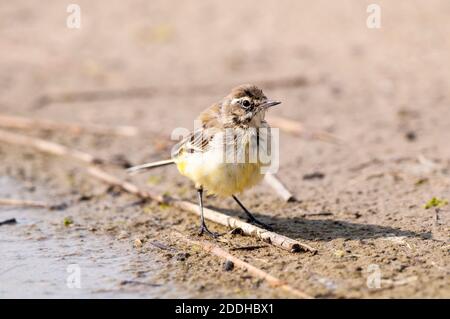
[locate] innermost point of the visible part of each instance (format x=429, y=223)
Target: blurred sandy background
x=384, y=91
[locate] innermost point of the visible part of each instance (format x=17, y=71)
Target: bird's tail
x=146, y=166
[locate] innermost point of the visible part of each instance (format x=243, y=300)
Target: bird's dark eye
x=246, y=103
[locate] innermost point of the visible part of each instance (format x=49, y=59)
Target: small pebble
x=228, y=265
x=411, y=136
x=182, y=256
x=137, y=243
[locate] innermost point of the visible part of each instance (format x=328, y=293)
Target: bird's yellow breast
x=223, y=179
x=219, y=177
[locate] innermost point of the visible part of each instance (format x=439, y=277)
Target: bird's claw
x=205, y=230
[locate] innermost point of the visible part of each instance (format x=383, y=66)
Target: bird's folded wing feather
x=196, y=142
x=212, y=139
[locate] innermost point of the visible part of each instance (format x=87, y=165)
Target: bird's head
x=246, y=106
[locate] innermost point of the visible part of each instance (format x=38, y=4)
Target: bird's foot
x=205, y=230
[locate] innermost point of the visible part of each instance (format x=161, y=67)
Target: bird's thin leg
x=250, y=216
x=203, y=228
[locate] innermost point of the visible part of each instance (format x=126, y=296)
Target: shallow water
x=41, y=258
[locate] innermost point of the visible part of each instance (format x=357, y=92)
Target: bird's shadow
x=324, y=229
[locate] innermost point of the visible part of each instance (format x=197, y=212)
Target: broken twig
x=30, y=203
x=47, y=147
x=10, y=221
x=275, y=183
x=210, y=214
x=219, y=252
x=23, y=203
x=23, y=123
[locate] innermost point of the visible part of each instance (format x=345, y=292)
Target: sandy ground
x=384, y=92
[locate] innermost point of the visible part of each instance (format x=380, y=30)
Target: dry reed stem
x=23, y=203
x=215, y=216
x=273, y=238
x=279, y=188
x=47, y=147
x=23, y=123
x=255, y=271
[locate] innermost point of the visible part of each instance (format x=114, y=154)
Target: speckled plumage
x=229, y=131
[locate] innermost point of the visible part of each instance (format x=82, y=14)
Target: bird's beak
x=269, y=103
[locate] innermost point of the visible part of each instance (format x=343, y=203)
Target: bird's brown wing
x=199, y=140
x=196, y=142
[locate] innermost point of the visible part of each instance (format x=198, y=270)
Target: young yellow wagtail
x=219, y=156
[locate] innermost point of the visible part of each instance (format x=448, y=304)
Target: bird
x=222, y=155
